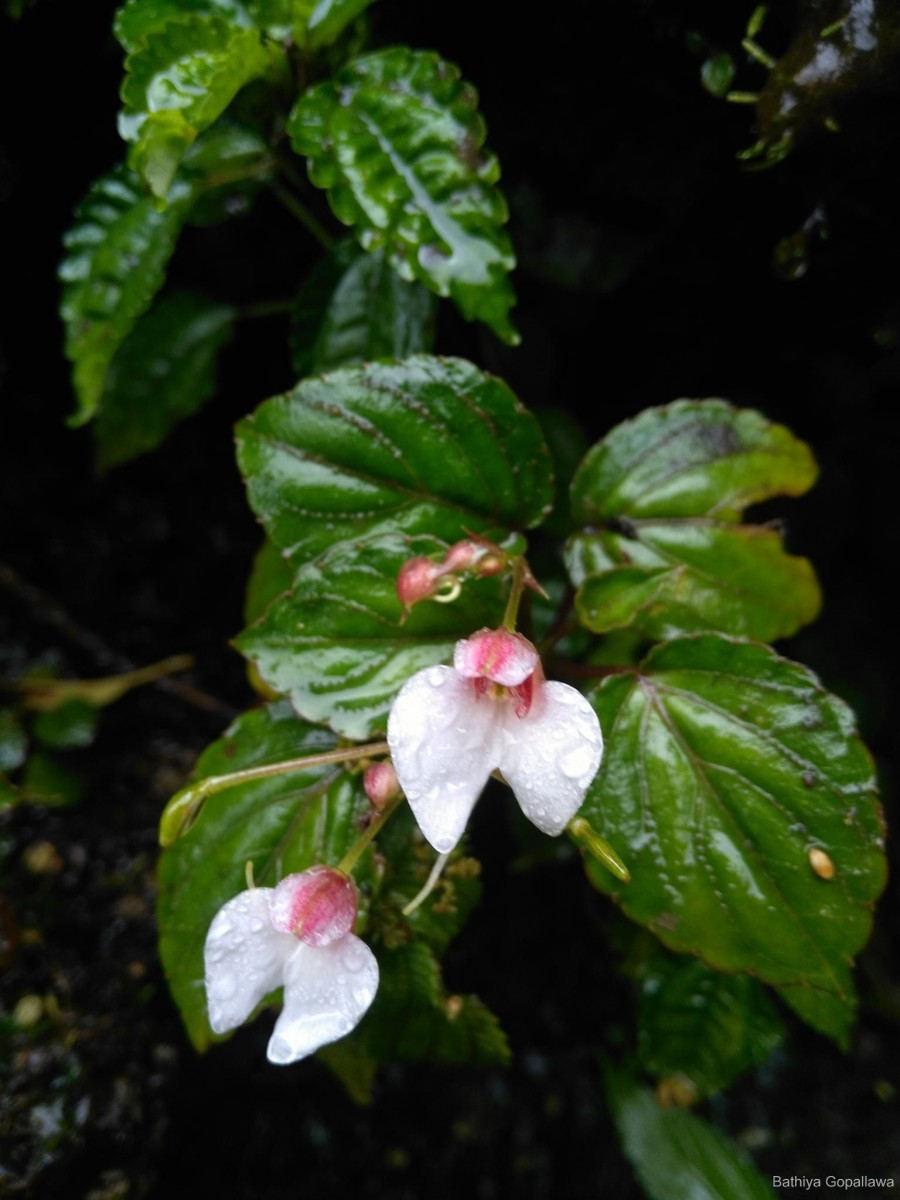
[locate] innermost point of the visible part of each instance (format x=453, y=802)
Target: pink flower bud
x=417, y=580
x=462, y=555
x=381, y=784
x=317, y=906
x=498, y=655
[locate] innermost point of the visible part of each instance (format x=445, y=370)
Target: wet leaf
x=137, y=19
x=423, y=445
x=117, y=254
x=164, y=371
x=397, y=141
x=702, y=1026
x=330, y=18
x=354, y=308
x=283, y=824
x=271, y=576
x=336, y=645
x=180, y=78
x=663, y=551
x=725, y=767
x=675, y=1154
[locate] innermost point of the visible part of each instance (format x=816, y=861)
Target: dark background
x=647, y=272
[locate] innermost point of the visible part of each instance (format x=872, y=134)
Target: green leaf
x=663, y=551
x=137, y=19
x=164, y=371
x=830, y=1015
x=270, y=577
x=423, y=445
x=229, y=163
x=46, y=781
x=413, y=1019
x=354, y=308
x=330, y=18
x=13, y=741
x=726, y=767
x=283, y=824
x=117, y=253
x=717, y=74
x=180, y=79
x=397, y=141
x=675, y=1154
x=408, y=860
x=335, y=643
x=702, y=1026
x=69, y=727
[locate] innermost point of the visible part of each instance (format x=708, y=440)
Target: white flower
x=296, y=934
x=450, y=727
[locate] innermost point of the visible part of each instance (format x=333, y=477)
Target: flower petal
x=551, y=755
x=327, y=990
x=442, y=738
x=244, y=958
x=496, y=654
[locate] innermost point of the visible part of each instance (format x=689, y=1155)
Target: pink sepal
x=317, y=906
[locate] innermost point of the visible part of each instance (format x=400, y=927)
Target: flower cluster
x=449, y=729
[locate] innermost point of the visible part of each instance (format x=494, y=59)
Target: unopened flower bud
x=463, y=555
x=417, y=580
x=317, y=906
x=381, y=784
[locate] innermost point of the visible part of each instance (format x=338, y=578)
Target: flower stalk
x=183, y=809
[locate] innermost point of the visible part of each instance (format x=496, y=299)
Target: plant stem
x=520, y=572
x=182, y=810
x=353, y=855
x=304, y=216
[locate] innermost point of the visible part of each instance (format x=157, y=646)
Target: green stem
x=520, y=572
x=353, y=855
x=265, y=308
x=304, y=216
x=184, y=807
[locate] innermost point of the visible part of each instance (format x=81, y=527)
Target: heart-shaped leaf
x=661, y=497
x=425, y=445
x=731, y=781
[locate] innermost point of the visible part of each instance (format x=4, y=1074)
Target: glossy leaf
x=336, y=645
x=726, y=766
x=136, y=20
x=282, y=824
x=423, y=445
x=179, y=80
x=675, y=1154
x=354, y=308
x=661, y=497
x=831, y=1015
x=270, y=576
x=397, y=141
x=701, y=1026
x=229, y=163
x=117, y=254
x=164, y=372
x=330, y=18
